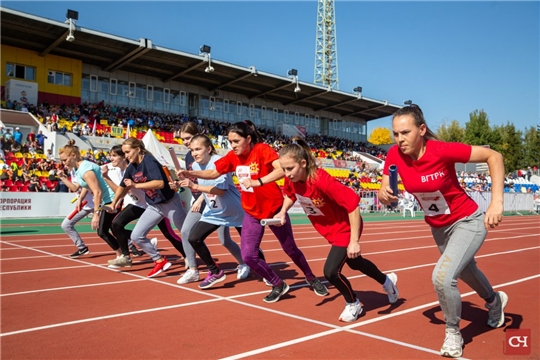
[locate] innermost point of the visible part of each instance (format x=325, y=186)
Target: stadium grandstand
x=68, y=84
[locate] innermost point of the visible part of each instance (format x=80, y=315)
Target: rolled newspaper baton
x=392, y=170
x=175, y=159
x=74, y=212
x=265, y=222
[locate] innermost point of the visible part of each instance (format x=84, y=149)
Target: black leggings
x=132, y=212
x=198, y=233
x=337, y=257
x=105, y=223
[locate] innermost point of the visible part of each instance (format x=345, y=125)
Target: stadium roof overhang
x=113, y=53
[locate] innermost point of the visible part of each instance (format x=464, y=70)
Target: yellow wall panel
x=43, y=65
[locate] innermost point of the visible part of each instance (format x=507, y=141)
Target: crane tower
x=326, y=61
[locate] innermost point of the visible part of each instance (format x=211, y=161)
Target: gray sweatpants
x=153, y=214
x=69, y=227
x=224, y=236
x=458, y=243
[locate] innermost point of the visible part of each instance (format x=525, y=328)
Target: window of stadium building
x=59, y=78
x=18, y=71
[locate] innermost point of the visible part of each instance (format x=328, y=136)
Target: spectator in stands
x=17, y=135
x=41, y=139
x=34, y=183
x=50, y=155
x=9, y=104
x=459, y=228
x=8, y=135
x=31, y=136
x=5, y=171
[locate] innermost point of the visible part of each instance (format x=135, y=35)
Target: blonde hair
x=71, y=149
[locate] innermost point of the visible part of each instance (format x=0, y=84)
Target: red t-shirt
x=432, y=180
x=327, y=203
x=265, y=201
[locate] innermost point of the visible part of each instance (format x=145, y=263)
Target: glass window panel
x=149, y=93
x=10, y=70
x=19, y=71
x=114, y=86
x=166, y=95
x=50, y=77
x=93, y=82
x=30, y=73
x=67, y=80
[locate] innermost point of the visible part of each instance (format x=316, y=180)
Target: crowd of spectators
x=82, y=119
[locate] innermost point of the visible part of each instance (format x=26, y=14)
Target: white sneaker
x=243, y=272
x=153, y=241
x=453, y=344
x=112, y=266
x=351, y=312
x=189, y=276
x=390, y=288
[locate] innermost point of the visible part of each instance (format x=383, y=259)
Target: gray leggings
x=153, y=214
x=69, y=227
x=458, y=243
x=224, y=236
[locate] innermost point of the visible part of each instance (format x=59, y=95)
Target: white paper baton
x=265, y=222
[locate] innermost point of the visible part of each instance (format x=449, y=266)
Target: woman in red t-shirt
x=257, y=167
x=333, y=210
x=427, y=169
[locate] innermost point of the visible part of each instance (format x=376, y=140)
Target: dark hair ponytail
x=415, y=111
x=244, y=129
x=299, y=150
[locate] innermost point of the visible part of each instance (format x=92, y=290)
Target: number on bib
x=309, y=207
x=433, y=203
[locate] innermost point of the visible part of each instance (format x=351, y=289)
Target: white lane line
x=363, y=323
x=71, y=287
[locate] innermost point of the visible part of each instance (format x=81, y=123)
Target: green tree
x=531, y=146
x=511, y=147
x=380, y=136
x=451, y=133
x=477, y=130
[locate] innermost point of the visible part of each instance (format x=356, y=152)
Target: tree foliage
x=451, y=133
x=380, y=136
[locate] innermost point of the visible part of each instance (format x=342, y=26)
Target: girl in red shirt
x=257, y=167
x=333, y=210
x=427, y=169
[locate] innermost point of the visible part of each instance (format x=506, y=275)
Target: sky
x=450, y=58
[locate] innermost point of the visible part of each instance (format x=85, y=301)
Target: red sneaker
x=159, y=267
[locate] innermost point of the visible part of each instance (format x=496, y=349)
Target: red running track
x=54, y=307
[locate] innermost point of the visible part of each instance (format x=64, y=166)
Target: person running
x=257, y=167
x=426, y=168
x=333, y=210
x=222, y=203
x=187, y=132
x=88, y=176
x=134, y=205
x=82, y=211
x=146, y=173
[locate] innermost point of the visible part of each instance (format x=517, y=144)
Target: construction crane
x=326, y=61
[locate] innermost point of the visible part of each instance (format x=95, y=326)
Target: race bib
x=243, y=172
x=309, y=207
x=433, y=203
x=213, y=201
